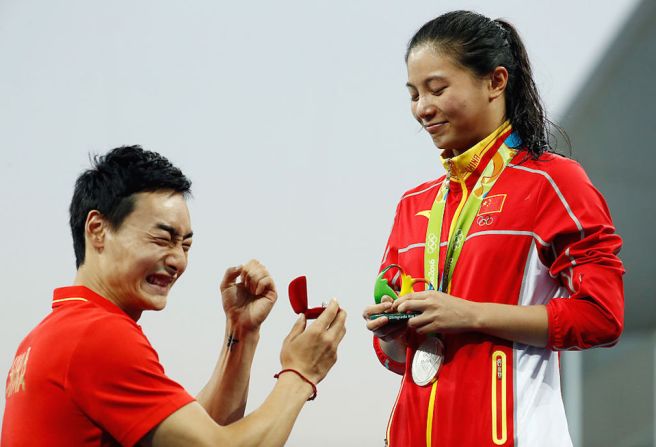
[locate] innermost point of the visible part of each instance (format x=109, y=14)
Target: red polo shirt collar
x=63, y=295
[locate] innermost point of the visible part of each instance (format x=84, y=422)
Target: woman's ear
x=498, y=82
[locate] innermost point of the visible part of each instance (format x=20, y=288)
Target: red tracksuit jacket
x=545, y=237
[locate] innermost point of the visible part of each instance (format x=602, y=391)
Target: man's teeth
x=159, y=280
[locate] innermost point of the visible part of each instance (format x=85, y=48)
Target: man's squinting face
x=448, y=100
x=142, y=259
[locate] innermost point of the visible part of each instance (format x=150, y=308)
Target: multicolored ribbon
x=464, y=215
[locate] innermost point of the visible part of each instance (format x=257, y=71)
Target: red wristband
x=314, y=387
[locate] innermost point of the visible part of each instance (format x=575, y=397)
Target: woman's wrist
x=477, y=316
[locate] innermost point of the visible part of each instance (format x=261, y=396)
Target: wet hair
x=109, y=187
x=480, y=45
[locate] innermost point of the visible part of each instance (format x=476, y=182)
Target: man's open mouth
x=160, y=280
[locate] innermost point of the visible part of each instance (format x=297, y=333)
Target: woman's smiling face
x=449, y=101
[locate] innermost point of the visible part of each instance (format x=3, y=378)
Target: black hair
x=480, y=45
x=109, y=187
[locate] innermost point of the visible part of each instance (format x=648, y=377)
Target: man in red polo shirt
x=87, y=375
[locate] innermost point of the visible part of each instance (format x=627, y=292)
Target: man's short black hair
x=109, y=187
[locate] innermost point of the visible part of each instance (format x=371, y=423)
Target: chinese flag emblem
x=492, y=204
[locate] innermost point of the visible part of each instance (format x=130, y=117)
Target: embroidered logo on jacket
x=492, y=204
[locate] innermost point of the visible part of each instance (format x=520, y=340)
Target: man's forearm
x=225, y=394
x=271, y=424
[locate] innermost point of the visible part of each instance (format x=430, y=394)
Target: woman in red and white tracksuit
x=516, y=241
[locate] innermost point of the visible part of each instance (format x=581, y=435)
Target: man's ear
x=498, y=82
x=95, y=230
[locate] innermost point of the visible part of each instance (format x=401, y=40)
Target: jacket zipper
x=499, y=396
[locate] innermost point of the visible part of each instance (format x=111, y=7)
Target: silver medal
x=427, y=361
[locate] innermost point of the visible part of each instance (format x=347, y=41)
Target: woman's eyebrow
x=428, y=79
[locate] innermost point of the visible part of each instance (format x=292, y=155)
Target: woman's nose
x=425, y=108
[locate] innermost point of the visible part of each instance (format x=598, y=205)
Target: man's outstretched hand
x=248, y=294
x=313, y=350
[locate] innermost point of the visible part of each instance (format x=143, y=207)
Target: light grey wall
x=613, y=132
x=619, y=393
x=292, y=119
x=611, y=124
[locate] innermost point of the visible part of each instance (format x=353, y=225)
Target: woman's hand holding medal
x=383, y=327
x=438, y=312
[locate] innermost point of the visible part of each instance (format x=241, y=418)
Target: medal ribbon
x=464, y=215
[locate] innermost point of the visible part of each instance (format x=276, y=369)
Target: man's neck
x=87, y=277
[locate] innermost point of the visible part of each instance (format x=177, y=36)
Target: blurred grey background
x=293, y=122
